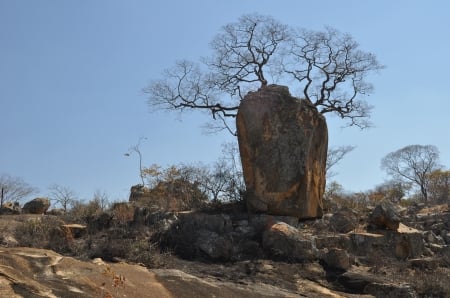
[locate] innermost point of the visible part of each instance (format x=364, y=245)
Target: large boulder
x=283, y=143
x=283, y=241
x=36, y=206
x=385, y=216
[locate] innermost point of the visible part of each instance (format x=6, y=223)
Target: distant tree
x=220, y=181
x=327, y=66
x=137, y=149
x=14, y=189
x=413, y=163
x=101, y=199
x=391, y=190
x=62, y=195
x=439, y=186
x=335, y=156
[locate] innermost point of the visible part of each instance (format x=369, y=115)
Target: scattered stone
x=430, y=237
x=10, y=208
x=385, y=216
x=364, y=243
x=283, y=145
x=387, y=290
x=75, y=230
x=214, y=246
x=36, y=206
x=343, y=221
x=338, y=259
x=332, y=241
x=424, y=263
x=286, y=242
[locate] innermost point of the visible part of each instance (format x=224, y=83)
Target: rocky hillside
x=381, y=251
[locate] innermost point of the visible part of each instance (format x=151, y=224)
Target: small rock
x=337, y=259
x=426, y=263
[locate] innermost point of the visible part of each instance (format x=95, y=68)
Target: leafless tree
x=62, y=195
x=334, y=156
x=14, y=189
x=332, y=71
x=101, y=199
x=413, y=163
x=328, y=66
x=137, y=149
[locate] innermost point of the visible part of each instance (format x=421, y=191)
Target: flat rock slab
x=31, y=272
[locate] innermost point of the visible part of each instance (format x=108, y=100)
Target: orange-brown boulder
x=283, y=143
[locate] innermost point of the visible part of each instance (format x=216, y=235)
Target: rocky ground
x=384, y=252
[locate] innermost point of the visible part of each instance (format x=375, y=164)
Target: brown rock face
x=283, y=143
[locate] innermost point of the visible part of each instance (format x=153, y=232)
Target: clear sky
x=71, y=75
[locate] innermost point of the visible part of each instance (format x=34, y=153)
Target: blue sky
x=71, y=75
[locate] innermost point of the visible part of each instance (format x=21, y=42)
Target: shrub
x=43, y=232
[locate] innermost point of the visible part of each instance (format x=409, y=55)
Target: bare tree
x=101, y=199
x=14, y=189
x=335, y=156
x=62, y=195
x=137, y=149
x=413, y=163
x=328, y=66
x=332, y=71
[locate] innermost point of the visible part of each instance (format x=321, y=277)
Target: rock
x=366, y=283
x=367, y=244
x=387, y=290
x=424, y=263
x=74, y=230
x=214, y=246
x=286, y=242
x=10, y=208
x=31, y=272
x=36, y=206
x=431, y=238
x=446, y=236
x=138, y=192
x=404, y=243
x=283, y=145
x=343, y=221
x=332, y=241
x=385, y=216
x=337, y=258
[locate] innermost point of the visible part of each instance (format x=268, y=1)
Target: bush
x=43, y=232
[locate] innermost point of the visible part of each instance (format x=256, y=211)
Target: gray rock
x=213, y=245
x=385, y=216
x=36, y=206
x=286, y=242
x=283, y=145
x=343, y=221
x=337, y=258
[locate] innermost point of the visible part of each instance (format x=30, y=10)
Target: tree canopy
x=327, y=66
x=413, y=163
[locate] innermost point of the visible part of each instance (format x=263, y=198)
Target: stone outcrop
x=31, y=272
x=385, y=216
x=283, y=145
x=36, y=206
